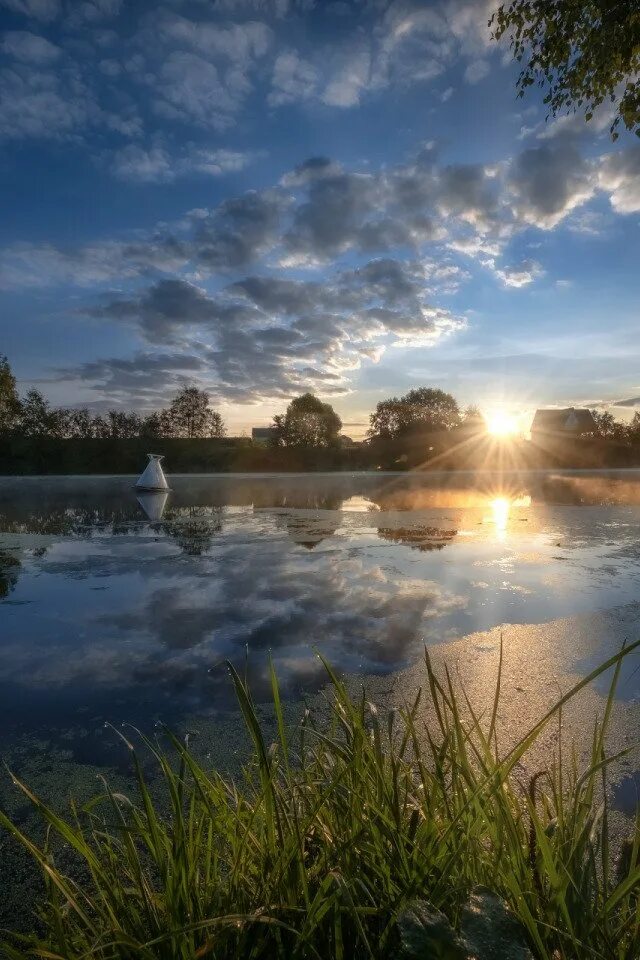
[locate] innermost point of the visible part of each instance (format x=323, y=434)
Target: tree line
x=188, y=415
x=308, y=422
x=397, y=423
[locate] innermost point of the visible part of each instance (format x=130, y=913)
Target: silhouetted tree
x=123, y=425
x=307, y=422
x=633, y=430
x=472, y=417
x=424, y=410
x=38, y=419
x=80, y=424
x=154, y=425
x=9, y=400
x=189, y=415
x=608, y=427
x=582, y=51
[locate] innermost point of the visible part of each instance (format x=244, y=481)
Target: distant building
x=575, y=421
x=263, y=434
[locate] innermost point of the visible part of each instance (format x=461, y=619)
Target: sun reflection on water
x=501, y=508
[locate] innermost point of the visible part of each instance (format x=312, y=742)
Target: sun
x=501, y=424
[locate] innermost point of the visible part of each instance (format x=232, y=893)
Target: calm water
x=115, y=608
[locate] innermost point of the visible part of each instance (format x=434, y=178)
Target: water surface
x=116, y=608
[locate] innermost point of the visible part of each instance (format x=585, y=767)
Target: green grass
x=364, y=837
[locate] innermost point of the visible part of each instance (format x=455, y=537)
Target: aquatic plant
x=357, y=836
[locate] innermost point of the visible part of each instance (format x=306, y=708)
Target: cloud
x=266, y=337
x=230, y=601
x=520, y=275
x=629, y=402
x=206, y=74
x=43, y=104
x=549, y=182
x=38, y=265
x=157, y=165
x=29, y=47
x=92, y=11
x=163, y=308
x=573, y=124
x=349, y=79
x=189, y=87
x=476, y=71
x=619, y=174
x=203, y=69
x=320, y=212
x=414, y=44
x=469, y=191
x=294, y=79
x=239, y=230
x=143, y=166
x=333, y=216
x=237, y=43
x=144, y=380
x=44, y=10
x=315, y=168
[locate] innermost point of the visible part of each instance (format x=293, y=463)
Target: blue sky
x=270, y=196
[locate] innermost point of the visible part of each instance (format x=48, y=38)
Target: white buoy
x=153, y=504
x=153, y=478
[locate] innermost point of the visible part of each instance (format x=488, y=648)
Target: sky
x=265, y=197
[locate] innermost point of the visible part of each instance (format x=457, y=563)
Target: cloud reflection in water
x=141, y=610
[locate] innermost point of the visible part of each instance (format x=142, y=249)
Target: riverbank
x=453, y=451
x=369, y=835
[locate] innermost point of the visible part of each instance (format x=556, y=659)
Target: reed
x=361, y=836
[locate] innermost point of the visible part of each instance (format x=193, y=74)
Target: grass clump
x=359, y=838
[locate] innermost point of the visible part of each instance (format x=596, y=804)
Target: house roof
x=574, y=419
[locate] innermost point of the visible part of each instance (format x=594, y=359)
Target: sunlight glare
x=500, y=509
x=502, y=424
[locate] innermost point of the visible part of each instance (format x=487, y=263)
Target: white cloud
x=619, y=174
x=144, y=166
x=468, y=21
x=476, y=71
x=204, y=71
x=349, y=79
x=237, y=43
x=413, y=44
x=42, y=104
x=157, y=165
x=293, y=79
x=190, y=88
x=321, y=212
x=520, y=275
x=29, y=47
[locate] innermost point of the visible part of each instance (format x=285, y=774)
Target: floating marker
x=153, y=504
x=153, y=478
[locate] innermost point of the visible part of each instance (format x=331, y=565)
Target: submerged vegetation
x=357, y=837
